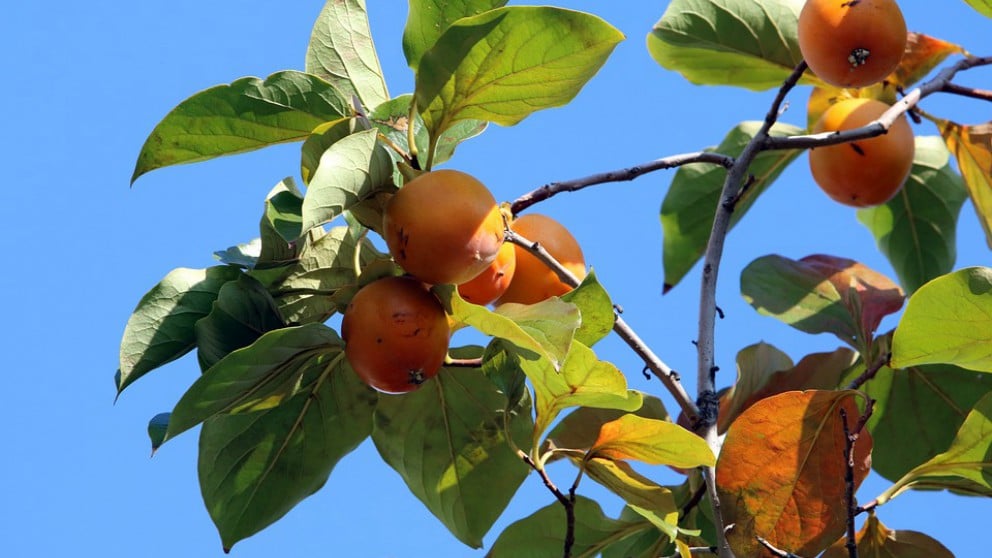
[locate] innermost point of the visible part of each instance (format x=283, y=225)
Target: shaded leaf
x=320, y=140
x=923, y=54
x=248, y=114
x=351, y=170
x=822, y=294
x=281, y=225
x=595, y=307
x=157, y=427
x=917, y=229
x=750, y=43
x=254, y=467
x=504, y=64
x=949, y=321
x=690, y=204
x=650, y=500
x=447, y=441
x=875, y=540
x=771, y=471
x=428, y=19
x=260, y=376
x=341, y=51
x=972, y=147
x=243, y=311
x=652, y=441
x=161, y=328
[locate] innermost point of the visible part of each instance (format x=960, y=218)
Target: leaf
x=595, y=307
x=244, y=255
x=246, y=115
x=504, y=64
x=351, y=170
x=341, y=51
x=690, y=204
x=580, y=428
x=772, y=469
x=260, y=376
x=157, y=427
x=652, y=441
x=917, y=229
x=428, y=19
x=749, y=43
x=948, y=320
x=972, y=147
x=923, y=54
x=650, y=500
x=243, y=311
x=822, y=294
x=542, y=534
x=447, y=441
x=254, y=467
x=281, y=225
x=875, y=540
x=320, y=140
x=161, y=328
x=967, y=463
x=983, y=7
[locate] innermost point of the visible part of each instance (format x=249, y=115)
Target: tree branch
x=980, y=94
x=776, y=551
x=849, y=439
x=621, y=175
x=870, y=372
x=568, y=502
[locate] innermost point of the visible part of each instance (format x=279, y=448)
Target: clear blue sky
x=85, y=82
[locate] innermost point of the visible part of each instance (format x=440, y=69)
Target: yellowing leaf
x=923, y=54
x=781, y=471
x=875, y=540
x=972, y=146
x=649, y=499
x=656, y=442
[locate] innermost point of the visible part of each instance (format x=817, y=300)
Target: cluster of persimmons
x=445, y=227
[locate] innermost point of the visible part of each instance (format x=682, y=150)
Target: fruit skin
x=494, y=280
x=852, y=43
x=396, y=334
x=865, y=172
x=533, y=281
x=443, y=227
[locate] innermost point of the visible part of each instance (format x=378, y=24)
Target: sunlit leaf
x=875, y=540
x=923, y=54
x=652, y=441
x=690, y=204
x=161, y=328
x=949, y=321
x=428, y=19
x=972, y=147
x=504, y=64
x=595, y=307
x=243, y=311
x=447, y=441
x=780, y=473
x=248, y=114
x=917, y=229
x=254, y=467
x=749, y=43
x=821, y=294
x=320, y=140
x=580, y=428
x=341, y=51
x=652, y=501
x=983, y=7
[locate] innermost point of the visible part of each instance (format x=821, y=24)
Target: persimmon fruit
x=533, y=281
x=494, y=280
x=852, y=43
x=864, y=172
x=396, y=334
x=443, y=227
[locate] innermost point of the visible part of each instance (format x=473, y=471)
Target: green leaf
x=917, y=229
x=652, y=441
x=507, y=63
x=260, y=376
x=281, y=225
x=254, y=467
x=243, y=311
x=967, y=463
x=341, y=51
x=351, y=170
x=652, y=501
x=596, y=308
x=427, y=19
x=248, y=114
x=948, y=320
x=983, y=7
x=320, y=140
x=747, y=43
x=580, y=428
x=447, y=440
x=822, y=294
x=244, y=255
x=157, y=427
x=161, y=328
x=542, y=534
x=690, y=204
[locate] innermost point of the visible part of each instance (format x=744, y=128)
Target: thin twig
x=870, y=372
x=696, y=551
x=849, y=439
x=980, y=94
x=697, y=496
x=568, y=502
x=776, y=551
x=662, y=371
x=463, y=362
x=621, y=175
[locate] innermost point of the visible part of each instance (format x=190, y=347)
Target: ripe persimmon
x=443, y=227
x=494, y=280
x=396, y=334
x=852, y=43
x=533, y=281
x=864, y=172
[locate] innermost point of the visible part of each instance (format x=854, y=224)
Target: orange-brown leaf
x=972, y=146
x=781, y=471
x=875, y=540
x=923, y=54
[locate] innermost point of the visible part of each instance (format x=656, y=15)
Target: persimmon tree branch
x=775, y=551
x=657, y=367
x=568, y=502
x=980, y=94
x=620, y=175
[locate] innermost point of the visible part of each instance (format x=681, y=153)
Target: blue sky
x=85, y=84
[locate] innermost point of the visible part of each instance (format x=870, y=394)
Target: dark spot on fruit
x=417, y=377
x=378, y=339
x=857, y=149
